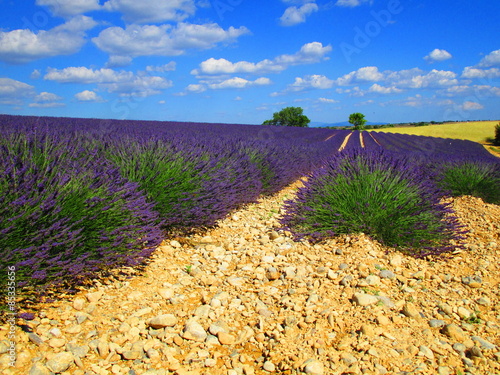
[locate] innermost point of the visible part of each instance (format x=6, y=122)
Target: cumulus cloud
x=68, y=8
x=326, y=100
x=47, y=100
x=438, y=55
x=417, y=79
x=492, y=59
x=479, y=90
x=230, y=83
x=152, y=11
x=239, y=83
x=471, y=72
x=294, y=15
x=365, y=74
x=121, y=82
x=196, y=88
x=471, y=106
x=309, y=53
x=85, y=75
x=23, y=45
x=376, y=88
x=163, y=40
x=394, y=81
x=47, y=97
x=481, y=70
x=88, y=96
x=315, y=81
x=12, y=92
x=139, y=86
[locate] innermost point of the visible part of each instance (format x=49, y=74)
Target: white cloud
x=47, y=97
x=121, y=82
x=474, y=90
x=394, y=81
x=230, y=83
x=23, y=45
x=69, y=7
x=152, y=11
x=35, y=74
x=365, y=74
x=294, y=15
x=438, y=55
x=326, y=100
x=309, y=53
x=418, y=79
x=47, y=100
x=139, y=86
x=163, y=40
x=471, y=72
x=88, y=96
x=170, y=67
x=85, y=75
x=47, y=105
x=350, y=3
x=492, y=59
x=196, y=88
x=376, y=88
x=239, y=83
x=471, y=106
x=12, y=92
x=315, y=81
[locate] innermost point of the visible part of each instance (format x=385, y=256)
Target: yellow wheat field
x=477, y=131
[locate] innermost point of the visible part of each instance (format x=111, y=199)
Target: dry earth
x=245, y=299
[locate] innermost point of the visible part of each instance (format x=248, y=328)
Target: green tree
x=496, y=141
x=289, y=116
x=357, y=120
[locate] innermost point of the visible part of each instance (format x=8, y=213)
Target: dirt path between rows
x=244, y=298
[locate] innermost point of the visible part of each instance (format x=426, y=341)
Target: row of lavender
x=82, y=196
x=390, y=186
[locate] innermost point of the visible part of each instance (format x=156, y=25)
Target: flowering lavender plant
x=470, y=176
x=376, y=192
x=67, y=213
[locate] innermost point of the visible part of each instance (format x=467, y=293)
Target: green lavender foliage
x=479, y=178
x=376, y=193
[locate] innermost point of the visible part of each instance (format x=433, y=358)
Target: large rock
x=362, y=299
x=454, y=332
x=410, y=310
x=162, y=321
x=60, y=362
x=314, y=367
x=194, y=331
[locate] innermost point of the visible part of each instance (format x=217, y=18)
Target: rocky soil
x=244, y=298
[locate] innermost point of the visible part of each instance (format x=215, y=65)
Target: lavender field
x=79, y=197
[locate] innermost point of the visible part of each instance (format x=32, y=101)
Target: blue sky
x=238, y=61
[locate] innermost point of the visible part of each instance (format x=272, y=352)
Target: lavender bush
x=470, y=176
x=376, y=192
x=67, y=214
x=191, y=184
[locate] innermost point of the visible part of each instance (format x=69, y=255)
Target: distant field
x=478, y=131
